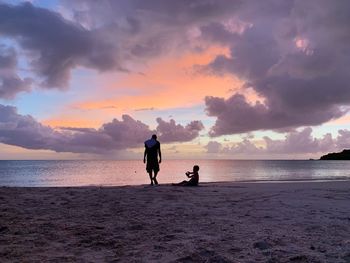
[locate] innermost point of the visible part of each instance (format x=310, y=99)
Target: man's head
x=154, y=136
x=195, y=168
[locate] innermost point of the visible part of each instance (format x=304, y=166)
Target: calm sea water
x=83, y=173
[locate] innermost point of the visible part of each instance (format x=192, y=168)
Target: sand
x=215, y=222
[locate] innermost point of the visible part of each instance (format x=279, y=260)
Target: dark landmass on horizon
x=344, y=155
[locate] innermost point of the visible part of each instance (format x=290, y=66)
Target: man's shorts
x=152, y=165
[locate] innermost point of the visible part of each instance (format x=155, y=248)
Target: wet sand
x=215, y=222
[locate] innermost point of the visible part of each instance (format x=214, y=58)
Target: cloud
x=237, y=115
x=213, y=147
x=104, y=35
x=296, y=142
x=26, y=132
x=55, y=45
x=128, y=132
x=136, y=12
x=172, y=132
x=296, y=62
x=243, y=147
x=10, y=82
x=300, y=142
x=343, y=139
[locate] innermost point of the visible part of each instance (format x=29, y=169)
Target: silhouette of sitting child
x=194, y=178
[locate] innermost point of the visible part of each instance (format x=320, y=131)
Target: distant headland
x=344, y=155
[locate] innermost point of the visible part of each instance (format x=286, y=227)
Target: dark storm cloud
x=294, y=54
x=26, y=132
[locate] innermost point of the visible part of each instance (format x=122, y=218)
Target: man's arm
x=144, y=155
x=160, y=154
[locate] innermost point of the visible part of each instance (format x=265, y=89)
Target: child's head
x=195, y=168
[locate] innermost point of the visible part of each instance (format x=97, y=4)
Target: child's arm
x=189, y=174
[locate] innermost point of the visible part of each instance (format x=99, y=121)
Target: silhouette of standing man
x=152, y=150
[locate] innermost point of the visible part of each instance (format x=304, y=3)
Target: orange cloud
x=72, y=121
x=165, y=83
x=345, y=120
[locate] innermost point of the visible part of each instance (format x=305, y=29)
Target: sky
x=216, y=79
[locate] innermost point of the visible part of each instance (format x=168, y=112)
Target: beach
x=215, y=222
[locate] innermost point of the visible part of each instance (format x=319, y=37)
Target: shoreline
x=258, y=181
x=215, y=222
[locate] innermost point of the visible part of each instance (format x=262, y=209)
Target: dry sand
x=216, y=222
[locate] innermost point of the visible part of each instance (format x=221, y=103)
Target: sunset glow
x=232, y=78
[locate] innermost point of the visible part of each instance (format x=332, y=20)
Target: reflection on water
x=79, y=173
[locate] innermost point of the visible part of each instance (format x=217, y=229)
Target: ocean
x=111, y=173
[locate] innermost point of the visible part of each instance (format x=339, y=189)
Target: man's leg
x=150, y=176
x=155, y=177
